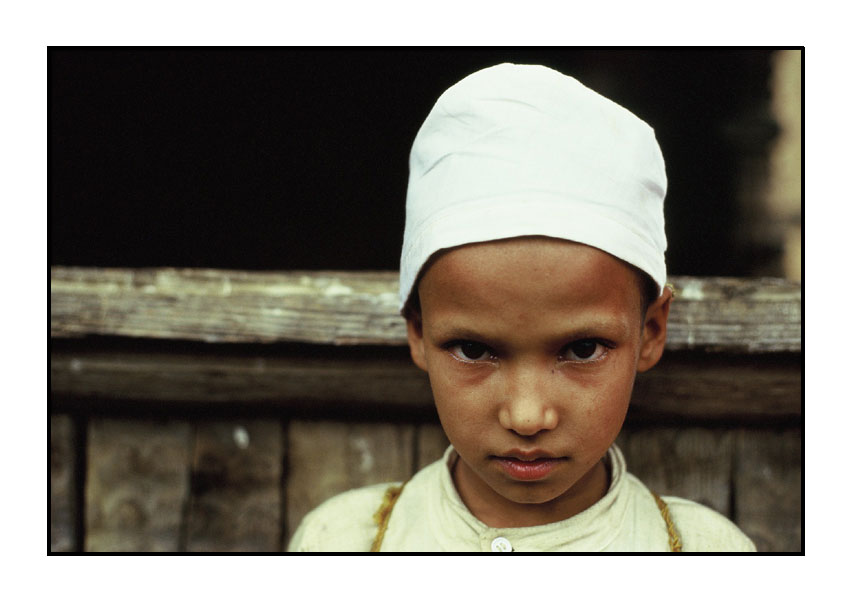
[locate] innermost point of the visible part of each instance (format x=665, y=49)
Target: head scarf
x=518, y=150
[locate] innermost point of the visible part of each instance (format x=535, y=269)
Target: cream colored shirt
x=430, y=516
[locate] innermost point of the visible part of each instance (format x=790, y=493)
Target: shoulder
x=700, y=528
x=704, y=530
x=343, y=523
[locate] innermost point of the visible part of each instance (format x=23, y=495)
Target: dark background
x=297, y=158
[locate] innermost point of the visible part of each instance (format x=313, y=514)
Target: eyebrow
x=461, y=332
x=595, y=327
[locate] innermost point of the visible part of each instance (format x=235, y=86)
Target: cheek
x=464, y=407
x=456, y=402
x=605, y=411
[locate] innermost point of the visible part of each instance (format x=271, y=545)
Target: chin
x=532, y=493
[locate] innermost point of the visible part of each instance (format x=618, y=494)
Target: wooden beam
x=693, y=463
x=327, y=458
x=63, y=484
x=233, y=379
x=137, y=485
x=720, y=387
x=358, y=308
x=236, y=487
x=768, y=488
x=683, y=385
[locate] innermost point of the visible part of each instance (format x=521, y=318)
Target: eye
x=584, y=350
x=469, y=351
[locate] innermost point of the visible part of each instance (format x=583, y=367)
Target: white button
x=501, y=545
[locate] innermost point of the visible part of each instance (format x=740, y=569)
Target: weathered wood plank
x=326, y=458
x=768, y=488
x=735, y=315
x=236, y=483
x=225, y=305
x=229, y=378
x=732, y=314
x=63, y=507
x=703, y=387
x=718, y=387
x=137, y=484
x=691, y=463
x=431, y=443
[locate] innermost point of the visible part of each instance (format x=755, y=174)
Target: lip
x=528, y=455
x=528, y=466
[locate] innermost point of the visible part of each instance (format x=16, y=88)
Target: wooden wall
x=209, y=411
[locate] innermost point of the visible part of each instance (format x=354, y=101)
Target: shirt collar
x=590, y=530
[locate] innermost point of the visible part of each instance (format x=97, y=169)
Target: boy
x=533, y=285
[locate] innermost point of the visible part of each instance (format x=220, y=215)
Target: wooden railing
x=210, y=409
x=359, y=308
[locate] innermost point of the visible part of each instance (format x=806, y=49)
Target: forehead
x=528, y=278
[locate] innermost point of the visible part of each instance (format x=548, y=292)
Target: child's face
x=531, y=346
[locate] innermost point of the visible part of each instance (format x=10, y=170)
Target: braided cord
x=672, y=535
x=382, y=515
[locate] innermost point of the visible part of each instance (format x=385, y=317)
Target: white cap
x=518, y=150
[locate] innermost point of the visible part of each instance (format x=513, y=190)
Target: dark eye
x=470, y=351
x=584, y=350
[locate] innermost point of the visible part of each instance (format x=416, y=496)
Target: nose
x=527, y=407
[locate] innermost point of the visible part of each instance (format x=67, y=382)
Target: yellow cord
x=672, y=535
x=382, y=515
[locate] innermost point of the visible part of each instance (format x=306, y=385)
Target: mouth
x=528, y=466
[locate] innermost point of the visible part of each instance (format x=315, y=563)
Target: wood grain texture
x=431, y=443
x=708, y=386
x=750, y=315
x=236, y=487
x=228, y=378
x=63, y=493
x=720, y=387
x=137, y=484
x=768, y=488
x=226, y=305
x=327, y=458
x=690, y=463
x=345, y=308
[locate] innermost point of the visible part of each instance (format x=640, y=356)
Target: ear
x=654, y=331
x=415, y=341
